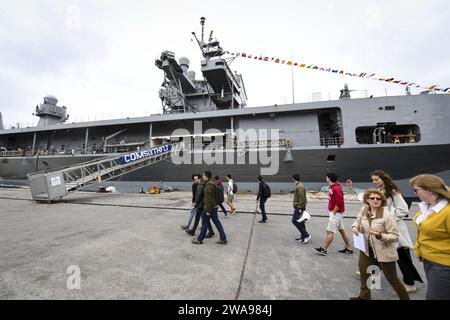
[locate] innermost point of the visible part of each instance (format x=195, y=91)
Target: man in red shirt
x=336, y=207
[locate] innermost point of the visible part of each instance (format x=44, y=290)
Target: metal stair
x=50, y=186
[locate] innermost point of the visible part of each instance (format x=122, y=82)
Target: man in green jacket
x=299, y=204
x=210, y=211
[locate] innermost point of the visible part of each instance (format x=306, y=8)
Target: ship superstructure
x=219, y=89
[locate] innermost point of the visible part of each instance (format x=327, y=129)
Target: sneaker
x=262, y=221
x=321, y=251
x=196, y=241
x=305, y=240
x=190, y=232
x=222, y=242
x=299, y=239
x=346, y=251
x=410, y=288
x=210, y=235
x=184, y=227
x=358, y=274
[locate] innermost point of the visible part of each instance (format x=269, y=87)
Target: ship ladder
x=49, y=186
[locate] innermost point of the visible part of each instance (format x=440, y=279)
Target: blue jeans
x=191, y=216
x=299, y=225
x=198, y=215
x=206, y=222
x=438, y=277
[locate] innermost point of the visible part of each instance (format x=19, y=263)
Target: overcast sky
x=98, y=57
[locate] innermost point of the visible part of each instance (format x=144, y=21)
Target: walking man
x=210, y=212
x=299, y=204
x=263, y=195
x=336, y=207
x=199, y=206
x=230, y=195
x=196, y=180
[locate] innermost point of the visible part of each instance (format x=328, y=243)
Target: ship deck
x=131, y=246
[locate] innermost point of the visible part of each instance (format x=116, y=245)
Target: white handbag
x=305, y=216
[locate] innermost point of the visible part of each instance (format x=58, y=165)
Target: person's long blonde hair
x=433, y=184
x=366, y=197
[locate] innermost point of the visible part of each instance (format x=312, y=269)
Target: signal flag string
x=365, y=75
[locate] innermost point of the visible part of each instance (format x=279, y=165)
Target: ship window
x=331, y=157
x=380, y=108
x=389, y=133
x=219, y=63
x=330, y=127
x=388, y=108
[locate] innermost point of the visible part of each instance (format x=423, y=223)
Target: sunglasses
x=375, y=198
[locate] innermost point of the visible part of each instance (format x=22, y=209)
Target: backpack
x=218, y=193
x=266, y=190
x=235, y=188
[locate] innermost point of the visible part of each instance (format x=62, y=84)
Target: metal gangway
x=50, y=186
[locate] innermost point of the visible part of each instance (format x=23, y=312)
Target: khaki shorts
x=335, y=222
x=230, y=198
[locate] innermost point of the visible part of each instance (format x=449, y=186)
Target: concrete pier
x=131, y=246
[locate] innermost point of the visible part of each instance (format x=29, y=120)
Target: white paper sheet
x=358, y=242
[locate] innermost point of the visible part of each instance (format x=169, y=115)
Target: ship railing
x=21, y=125
x=245, y=144
x=12, y=153
x=252, y=144
x=335, y=141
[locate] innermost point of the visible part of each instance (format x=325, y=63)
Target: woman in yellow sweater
x=433, y=236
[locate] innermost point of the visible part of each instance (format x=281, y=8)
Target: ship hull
x=402, y=162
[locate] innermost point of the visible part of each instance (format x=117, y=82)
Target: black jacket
x=219, y=193
x=261, y=191
x=194, y=191
x=200, y=196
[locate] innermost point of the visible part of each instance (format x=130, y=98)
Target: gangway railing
x=50, y=186
x=335, y=141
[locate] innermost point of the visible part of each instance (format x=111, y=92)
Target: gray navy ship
x=403, y=135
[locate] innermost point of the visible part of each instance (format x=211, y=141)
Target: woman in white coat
x=398, y=207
